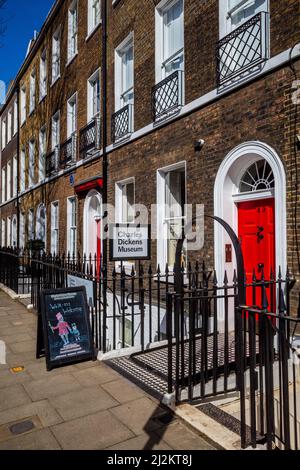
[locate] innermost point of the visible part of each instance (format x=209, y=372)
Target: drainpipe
x=104, y=164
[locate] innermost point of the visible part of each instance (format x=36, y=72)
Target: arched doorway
x=250, y=194
x=92, y=229
x=41, y=224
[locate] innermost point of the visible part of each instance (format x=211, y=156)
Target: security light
x=199, y=144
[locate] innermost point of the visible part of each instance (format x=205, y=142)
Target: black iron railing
x=269, y=380
x=122, y=123
x=90, y=138
x=68, y=151
x=52, y=162
x=167, y=96
x=241, y=51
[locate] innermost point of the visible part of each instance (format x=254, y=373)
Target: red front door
x=256, y=227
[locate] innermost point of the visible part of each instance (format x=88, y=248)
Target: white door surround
x=91, y=214
x=226, y=196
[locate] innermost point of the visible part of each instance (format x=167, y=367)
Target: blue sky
x=23, y=17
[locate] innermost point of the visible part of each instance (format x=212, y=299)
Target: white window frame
x=3, y=233
x=93, y=21
x=72, y=31
x=9, y=126
x=119, y=194
x=15, y=176
x=72, y=106
x=3, y=133
x=42, y=153
x=160, y=11
x=55, y=126
x=32, y=92
x=119, y=214
x=91, y=114
x=43, y=75
x=3, y=189
x=8, y=232
x=54, y=227
x=71, y=228
x=39, y=225
x=162, y=255
x=31, y=231
x=23, y=105
x=224, y=19
x=15, y=118
x=22, y=231
x=31, y=163
x=22, y=170
x=55, y=64
x=119, y=89
x=14, y=231
x=8, y=180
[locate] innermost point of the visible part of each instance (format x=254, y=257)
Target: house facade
x=201, y=109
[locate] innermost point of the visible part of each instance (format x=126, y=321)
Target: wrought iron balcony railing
x=90, y=138
x=242, y=51
x=122, y=123
x=52, y=162
x=167, y=96
x=68, y=151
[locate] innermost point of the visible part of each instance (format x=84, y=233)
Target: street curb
x=221, y=437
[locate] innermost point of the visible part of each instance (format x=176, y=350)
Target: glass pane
x=173, y=30
x=128, y=204
x=175, y=193
x=246, y=10
x=127, y=72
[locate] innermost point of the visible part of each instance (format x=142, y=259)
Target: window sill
x=55, y=80
x=92, y=32
x=71, y=59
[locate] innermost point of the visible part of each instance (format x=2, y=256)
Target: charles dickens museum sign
x=129, y=242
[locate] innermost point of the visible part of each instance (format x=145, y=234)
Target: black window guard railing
x=90, y=138
x=241, y=51
x=167, y=96
x=52, y=162
x=122, y=123
x=68, y=151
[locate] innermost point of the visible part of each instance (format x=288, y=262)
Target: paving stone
x=140, y=415
x=11, y=397
x=7, y=378
x=51, y=386
x=43, y=409
x=143, y=442
x=95, y=375
x=82, y=402
x=93, y=432
x=179, y=437
x=39, y=440
x=24, y=346
x=37, y=370
x=16, y=338
x=123, y=391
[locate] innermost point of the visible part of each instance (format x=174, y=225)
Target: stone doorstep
x=13, y=430
x=221, y=437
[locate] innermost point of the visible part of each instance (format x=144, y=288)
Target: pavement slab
x=39, y=440
x=13, y=396
x=94, y=432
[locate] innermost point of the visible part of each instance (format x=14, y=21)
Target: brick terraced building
x=201, y=109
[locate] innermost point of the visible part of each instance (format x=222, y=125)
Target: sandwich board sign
x=66, y=327
x=129, y=242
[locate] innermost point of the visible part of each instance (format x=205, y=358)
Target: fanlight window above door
x=258, y=177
